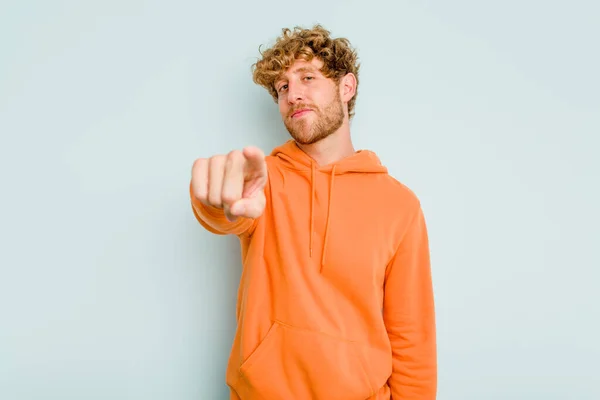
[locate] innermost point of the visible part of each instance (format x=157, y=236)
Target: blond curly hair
x=338, y=56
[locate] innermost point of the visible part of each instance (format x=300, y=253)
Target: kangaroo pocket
x=293, y=363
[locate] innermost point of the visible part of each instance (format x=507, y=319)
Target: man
x=335, y=300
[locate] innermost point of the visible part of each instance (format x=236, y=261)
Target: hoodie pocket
x=293, y=363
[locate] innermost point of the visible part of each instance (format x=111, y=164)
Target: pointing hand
x=233, y=182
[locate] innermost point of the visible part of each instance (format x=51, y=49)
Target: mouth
x=300, y=113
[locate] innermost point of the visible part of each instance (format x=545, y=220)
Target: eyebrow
x=299, y=70
x=306, y=69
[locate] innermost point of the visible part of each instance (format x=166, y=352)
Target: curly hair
x=338, y=56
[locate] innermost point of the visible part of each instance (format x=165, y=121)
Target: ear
x=348, y=87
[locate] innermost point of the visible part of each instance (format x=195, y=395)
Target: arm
x=409, y=316
x=227, y=191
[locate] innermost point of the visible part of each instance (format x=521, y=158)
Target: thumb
x=251, y=207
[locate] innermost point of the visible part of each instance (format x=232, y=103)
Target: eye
x=282, y=87
x=309, y=78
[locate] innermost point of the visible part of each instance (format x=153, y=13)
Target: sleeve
x=410, y=317
x=213, y=219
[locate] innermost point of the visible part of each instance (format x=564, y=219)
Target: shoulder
x=398, y=193
x=271, y=161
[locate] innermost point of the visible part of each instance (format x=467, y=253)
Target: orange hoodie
x=335, y=300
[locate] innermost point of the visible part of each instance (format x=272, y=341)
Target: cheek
x=283, y=106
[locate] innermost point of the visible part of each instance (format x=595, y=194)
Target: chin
x=303, y=139
x=309, y=138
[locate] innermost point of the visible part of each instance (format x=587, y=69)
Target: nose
x=295, y=93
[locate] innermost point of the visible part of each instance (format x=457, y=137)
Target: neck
x=333, y=148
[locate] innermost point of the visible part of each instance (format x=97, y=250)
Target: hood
x=362, y=161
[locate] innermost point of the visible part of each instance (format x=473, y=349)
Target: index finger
x=255, y=161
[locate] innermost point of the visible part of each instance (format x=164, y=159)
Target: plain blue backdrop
x=109, y=289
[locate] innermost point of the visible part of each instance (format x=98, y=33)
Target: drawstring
x=328, y=215
x=312, y=213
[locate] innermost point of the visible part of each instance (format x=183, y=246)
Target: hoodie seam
x=310, y=330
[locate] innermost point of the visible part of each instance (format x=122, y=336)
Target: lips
x=300, y=112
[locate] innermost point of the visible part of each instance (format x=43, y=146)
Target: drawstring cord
x=312, y=212
x=328, y=218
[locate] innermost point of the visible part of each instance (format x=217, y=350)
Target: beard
x=328, y=120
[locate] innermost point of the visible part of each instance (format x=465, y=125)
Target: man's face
x=309, y=103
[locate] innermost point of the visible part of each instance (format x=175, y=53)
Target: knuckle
x=217, y=160
x=199, y=162
x=235, y=157
x=199, y=165
x=235, y=154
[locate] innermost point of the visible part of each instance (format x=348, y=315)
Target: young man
x=335, y=300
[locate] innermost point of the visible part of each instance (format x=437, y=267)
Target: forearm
x=409, y=317
x=414, y=365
